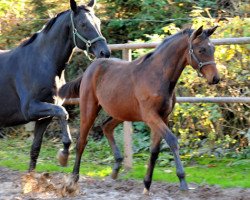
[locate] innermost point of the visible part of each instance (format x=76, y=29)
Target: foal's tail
x=71, y=89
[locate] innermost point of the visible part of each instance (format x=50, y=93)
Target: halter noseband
x=88, y=43
x=200, y=64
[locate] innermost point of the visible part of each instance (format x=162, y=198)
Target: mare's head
x=86, y=30
x=201, y=54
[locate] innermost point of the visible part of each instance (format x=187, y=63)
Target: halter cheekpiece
x=200, y=64
x=88, y=43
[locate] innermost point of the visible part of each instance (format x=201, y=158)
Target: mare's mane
x=49, y=25
x=45, y=29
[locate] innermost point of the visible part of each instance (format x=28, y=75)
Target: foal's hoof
x=183, y=186
x=63, y=158
x=146, y=192
x=70, y=188
x=114, y=175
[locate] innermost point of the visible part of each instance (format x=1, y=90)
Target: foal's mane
x=168, y=40
x=49, y=25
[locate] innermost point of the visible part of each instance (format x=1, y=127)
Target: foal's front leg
x=155, y=149
x=157, y=125
x=37, y=110
x=173, y=144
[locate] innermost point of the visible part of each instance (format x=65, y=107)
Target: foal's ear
x=196, y=33
x=92, y=3
x=210, y=31
x=73, y=6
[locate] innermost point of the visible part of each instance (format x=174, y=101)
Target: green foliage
x=133, y=19
x=20, y=19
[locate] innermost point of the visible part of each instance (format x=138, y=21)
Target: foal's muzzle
x=216, y=80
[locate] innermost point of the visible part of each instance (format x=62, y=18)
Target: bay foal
x=141, y=90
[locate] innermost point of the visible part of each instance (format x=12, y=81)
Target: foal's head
x=201, y=54
x=86, y=30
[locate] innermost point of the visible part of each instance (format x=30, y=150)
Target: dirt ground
x=13, y=184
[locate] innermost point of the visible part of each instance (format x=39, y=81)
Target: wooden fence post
x=127, y=127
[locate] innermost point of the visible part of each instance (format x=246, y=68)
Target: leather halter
x=88, y=43
x=200, y=63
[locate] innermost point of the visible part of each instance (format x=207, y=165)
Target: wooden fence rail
x=75, y=101
x=126, y=55
x=150, y=45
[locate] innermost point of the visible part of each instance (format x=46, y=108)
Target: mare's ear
x=210, y=31
x=73, y=6
x=91, y=3
x=196, y=33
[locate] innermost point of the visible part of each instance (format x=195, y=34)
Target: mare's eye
x=83, y=25
x=202, y=50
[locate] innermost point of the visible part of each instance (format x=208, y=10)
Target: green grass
x=14, y=154
x=97, y=161
x=223, y=172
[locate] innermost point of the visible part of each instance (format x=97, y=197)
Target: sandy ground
x=13, y=184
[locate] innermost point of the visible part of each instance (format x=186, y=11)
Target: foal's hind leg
x=157, y=125
x=40, y=128
x=86, y=122
x=108, y=129
x=89, y=109
x=155, y=149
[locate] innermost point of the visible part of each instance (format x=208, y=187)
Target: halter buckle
x=88, y=43
x=200, y=65
x=74, y=31
x=199, y=73
x=191, y=51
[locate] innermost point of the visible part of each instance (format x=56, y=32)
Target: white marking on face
x=93, y=20
x=90, y=18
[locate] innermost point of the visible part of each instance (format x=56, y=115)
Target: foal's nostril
x=216, y=80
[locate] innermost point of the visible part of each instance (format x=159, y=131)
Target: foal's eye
x=202, y=50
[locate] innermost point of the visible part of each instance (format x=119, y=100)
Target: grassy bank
x=97, y=161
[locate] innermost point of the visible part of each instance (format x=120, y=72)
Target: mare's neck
x=56, y=44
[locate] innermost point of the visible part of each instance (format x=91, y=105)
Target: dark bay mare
x=31, y=74
x=141, y=90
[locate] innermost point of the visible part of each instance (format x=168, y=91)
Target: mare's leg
x=40, y=128
x=157, y=125
x=63, y=155
x=108, y=129
x=155, y=149
x=37, y=110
